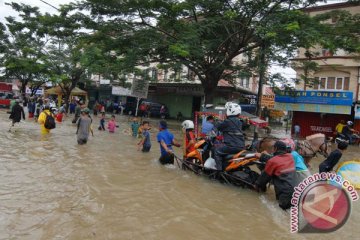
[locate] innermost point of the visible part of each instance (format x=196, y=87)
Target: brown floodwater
x=51, y=188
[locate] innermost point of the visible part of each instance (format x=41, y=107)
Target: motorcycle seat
x=229, y=156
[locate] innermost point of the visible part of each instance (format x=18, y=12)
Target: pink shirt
x=111, y=126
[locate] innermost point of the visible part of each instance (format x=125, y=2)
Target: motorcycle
x=237, y=172
x=342, y=138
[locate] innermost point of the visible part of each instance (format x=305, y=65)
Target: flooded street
x=51, y=188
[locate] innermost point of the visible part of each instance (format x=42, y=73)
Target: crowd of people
x=284, y=167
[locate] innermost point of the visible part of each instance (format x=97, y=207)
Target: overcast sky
x=6, y=10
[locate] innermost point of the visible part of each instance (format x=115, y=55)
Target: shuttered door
x=311, y=123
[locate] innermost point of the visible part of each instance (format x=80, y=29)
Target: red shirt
x=59, y=117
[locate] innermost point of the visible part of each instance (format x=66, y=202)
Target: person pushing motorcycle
x=231, y=129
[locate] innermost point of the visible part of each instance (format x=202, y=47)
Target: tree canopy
x=207, y=36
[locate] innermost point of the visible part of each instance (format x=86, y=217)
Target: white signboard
x=104, y=81
x=120, y=91
x=40, y=91
x=140, y=88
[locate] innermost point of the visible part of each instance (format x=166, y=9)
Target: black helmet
x=280, y=146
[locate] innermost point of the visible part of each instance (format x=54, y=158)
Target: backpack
x=49, y=121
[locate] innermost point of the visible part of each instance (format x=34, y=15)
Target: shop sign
x=321, y=129
x=267, y=101
x=344, y=98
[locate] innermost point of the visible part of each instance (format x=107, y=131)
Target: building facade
x=333, y=94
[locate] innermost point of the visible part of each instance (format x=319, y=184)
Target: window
x=244, y=82
x=165, y=75
x=191, y=75
x=154, y=74
x=247, y=82
x=332, y=83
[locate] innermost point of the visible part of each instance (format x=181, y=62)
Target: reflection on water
x=51, y=188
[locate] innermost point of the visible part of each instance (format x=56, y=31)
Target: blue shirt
x=207, y=127
x=167, y=137
x=146, y=136
x=299, y=161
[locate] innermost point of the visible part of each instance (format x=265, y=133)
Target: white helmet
x=232, y=109
x=188, y=124
x=350, y=123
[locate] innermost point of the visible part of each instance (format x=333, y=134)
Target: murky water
x=51, y=188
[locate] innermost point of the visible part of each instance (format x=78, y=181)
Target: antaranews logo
x=321, y=203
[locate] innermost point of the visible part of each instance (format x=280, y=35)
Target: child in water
x=145, y=143
x=112, y=124
x=135, y=127
x=102, y=122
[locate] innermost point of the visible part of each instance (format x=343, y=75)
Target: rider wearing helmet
x=348, y=132
x=188, y=127
x=231, y=129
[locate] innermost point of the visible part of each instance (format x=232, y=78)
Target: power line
x=50, y=5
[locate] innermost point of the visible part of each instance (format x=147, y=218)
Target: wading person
x=17, y=112
x=350, y=133
x=188, y=128
x=280, y=168
x=135, y=127
x=112, y=124
x=47, y=120
x=166, y=140
x=145, y=143
x=231, y=129
x=328, y=164
x=83, y=127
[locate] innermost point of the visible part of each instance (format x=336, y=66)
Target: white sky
x=7, y=11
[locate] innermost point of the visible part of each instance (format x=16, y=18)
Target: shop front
x=316, y=111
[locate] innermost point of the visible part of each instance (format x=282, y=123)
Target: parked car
x=146, y=108
x=153, y=109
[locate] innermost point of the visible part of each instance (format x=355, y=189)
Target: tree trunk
x=23, y=86
x=262, y=71
x=209, y=86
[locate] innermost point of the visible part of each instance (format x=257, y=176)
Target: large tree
x=204, y=35
x=22, y=45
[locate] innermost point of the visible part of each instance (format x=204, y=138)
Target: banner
x=120, y=91
x=344, y=98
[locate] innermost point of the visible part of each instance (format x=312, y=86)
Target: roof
x=57, y=91
x=332, y=6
